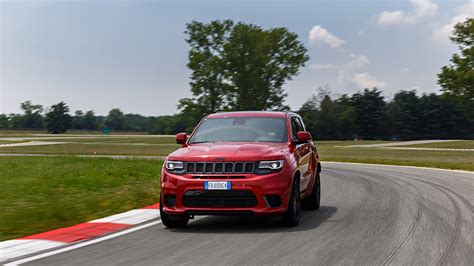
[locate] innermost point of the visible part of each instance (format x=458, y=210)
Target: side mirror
x=303, y=136
x=181, y=138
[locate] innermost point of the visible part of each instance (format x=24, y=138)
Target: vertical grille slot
x=239, y=167
x=219, y=168
x=248, y=167
x=209, y=167
x=190, y=167
x=229, y=167
x=199, y=167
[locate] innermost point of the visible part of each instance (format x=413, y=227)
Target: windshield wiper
x=197, y=142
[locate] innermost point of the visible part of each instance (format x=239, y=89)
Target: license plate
x=213, y=185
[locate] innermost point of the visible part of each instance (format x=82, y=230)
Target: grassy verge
x=43, y=193
x=332, y=143
x=462, y=144
x=24, y=132
x=438, y=159
x=90, y=149
x=114, y=139
x=9, y=141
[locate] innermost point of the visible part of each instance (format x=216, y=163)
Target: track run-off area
x=370, y=214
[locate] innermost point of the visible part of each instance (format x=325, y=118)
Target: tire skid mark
x=419, y=211
x=457, y=222
x=365, y=185
x=457, y=225
x=463, y=199
x=405, y=239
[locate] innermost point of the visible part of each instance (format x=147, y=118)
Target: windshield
x=241, y=129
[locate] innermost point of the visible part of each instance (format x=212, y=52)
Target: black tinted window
x=295, y=127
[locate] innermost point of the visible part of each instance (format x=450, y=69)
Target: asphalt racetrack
x=370, y=215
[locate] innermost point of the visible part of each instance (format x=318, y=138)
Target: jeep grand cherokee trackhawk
x=259, y=163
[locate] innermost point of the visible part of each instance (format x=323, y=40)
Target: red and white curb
x=15, y=248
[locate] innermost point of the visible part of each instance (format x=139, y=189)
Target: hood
x=230, y=152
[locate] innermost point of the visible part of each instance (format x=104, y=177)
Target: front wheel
x=172, y=221
x=292, y=215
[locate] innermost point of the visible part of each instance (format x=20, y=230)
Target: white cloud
x=322, y=66
x=319, y=35
x=442, y=33
x=348, y=73
x=424, y=8
x=390, y=17
x=356, y=62
x=421, y=9
x=364, y=80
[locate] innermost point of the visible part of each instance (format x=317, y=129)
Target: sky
x=132, y=55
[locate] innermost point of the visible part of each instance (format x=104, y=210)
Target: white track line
x=136, y=216
x=11, y=249
x=82, y=244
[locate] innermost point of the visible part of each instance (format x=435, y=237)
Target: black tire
x=292, y=215
x=312, y=202
x=172, y=221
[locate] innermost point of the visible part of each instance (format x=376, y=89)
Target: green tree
x=90, y=121
x=370, y=114
x=115, y=119
x=240, y=66
x=404, y=112
x=328, y=119
x=57, y=119
x=3, y=121
x=208, y=81
x=78, y=120
x=259, y=62
x=32, y=117
x=441, y=118
x=168, y=124
x=15, y=121
x=457, y=78
x=135, y=122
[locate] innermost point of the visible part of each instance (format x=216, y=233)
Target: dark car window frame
x=296, y=126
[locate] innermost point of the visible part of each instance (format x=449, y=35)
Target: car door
x=302, y=153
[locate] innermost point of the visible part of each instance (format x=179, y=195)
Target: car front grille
x=219, y=198
x=219, y=167
x=218, y=177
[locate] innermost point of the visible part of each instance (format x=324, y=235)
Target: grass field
x=438, y=159
x=71, y=131
x=93, y=149
x=44, y=193
x=329, y=150
x=8, y=141
x=116, y=139
x=462, y=144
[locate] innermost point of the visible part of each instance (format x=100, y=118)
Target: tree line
x=366, y=115
x=238, y=66
x=362, y=115
x=58, y=119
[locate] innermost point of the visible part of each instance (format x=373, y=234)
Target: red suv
x=259, y=163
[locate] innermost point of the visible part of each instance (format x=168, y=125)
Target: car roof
x=248, y=114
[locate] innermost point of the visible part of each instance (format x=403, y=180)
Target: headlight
x=174, y=166
x=271, y=165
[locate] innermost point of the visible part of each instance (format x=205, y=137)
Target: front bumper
x=263, y=187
